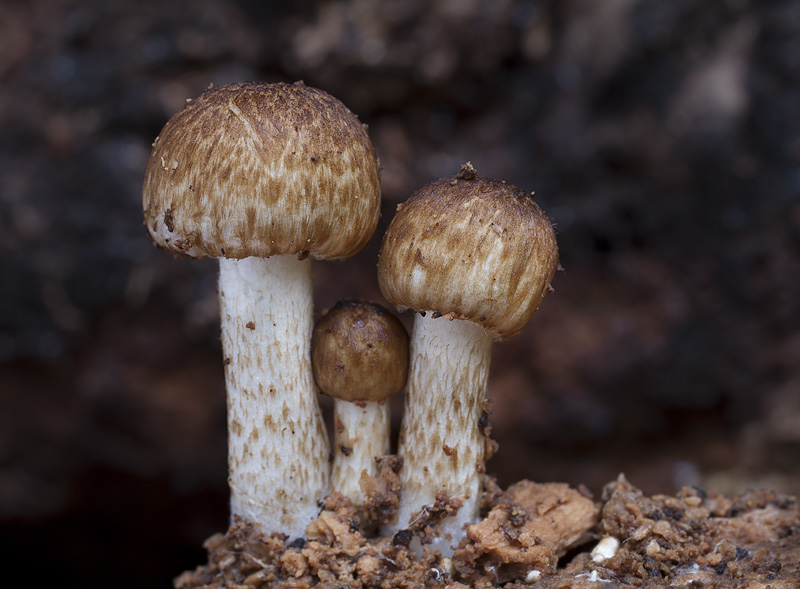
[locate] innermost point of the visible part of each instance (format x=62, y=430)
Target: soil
x=542, y=535
x=662, y=138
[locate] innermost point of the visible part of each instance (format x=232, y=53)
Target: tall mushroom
x=262, y=176
x=473, y=257
x=359, y=354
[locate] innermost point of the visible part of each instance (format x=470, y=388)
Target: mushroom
x=264, y=176
x=359, y=354
x=473, y=257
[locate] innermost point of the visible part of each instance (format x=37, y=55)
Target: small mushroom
x=473, y=257
x=359, y=354
x=263, y=177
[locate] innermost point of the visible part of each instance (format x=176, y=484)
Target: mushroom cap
x=359, y=352
x=257, y=169
x=469, y=248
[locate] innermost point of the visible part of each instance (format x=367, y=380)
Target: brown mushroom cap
x=359, y=352
x=469, y=248
x=258, y=169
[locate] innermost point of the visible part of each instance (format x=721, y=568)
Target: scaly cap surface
x=257, y=169
x=469, y=248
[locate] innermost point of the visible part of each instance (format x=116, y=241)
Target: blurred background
x=662, y=138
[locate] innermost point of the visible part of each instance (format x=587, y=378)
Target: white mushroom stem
x=277, y=445
x=361, y=432
x=441, y=443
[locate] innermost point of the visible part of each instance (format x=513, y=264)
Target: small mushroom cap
x=258, y=169
x=359, y=352
x=469, y=248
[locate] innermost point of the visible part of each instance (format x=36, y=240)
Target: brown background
x=663, y=139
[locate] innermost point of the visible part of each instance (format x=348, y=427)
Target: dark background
x=662, y=138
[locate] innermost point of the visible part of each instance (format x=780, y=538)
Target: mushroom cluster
x=265, y=177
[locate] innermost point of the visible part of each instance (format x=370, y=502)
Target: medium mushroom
x=359, y=354
x=263, y=177
x=473, y=257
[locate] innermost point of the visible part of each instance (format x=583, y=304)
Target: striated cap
x=359, y=352
x=257, y=169
x=469, y=248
